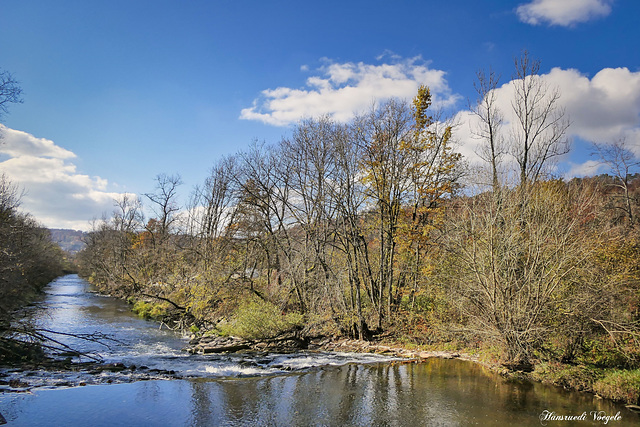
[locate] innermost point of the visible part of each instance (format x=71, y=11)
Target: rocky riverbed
x=287, y=343
x=23, y=379
x=243, y=352
x=291, y=343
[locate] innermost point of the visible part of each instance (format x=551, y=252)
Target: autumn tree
x=432, y=171
x=407, y=166
x=599, y=320
x=380, y=134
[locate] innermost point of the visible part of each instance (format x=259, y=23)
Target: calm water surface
x=305, y=389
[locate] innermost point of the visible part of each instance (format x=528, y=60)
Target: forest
x=378, y=227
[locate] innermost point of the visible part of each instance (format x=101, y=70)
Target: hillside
x=69, y=240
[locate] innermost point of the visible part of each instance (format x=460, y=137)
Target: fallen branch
x=166, y=300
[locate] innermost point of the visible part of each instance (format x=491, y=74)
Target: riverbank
x=613, y=384
x=610, y=383
x=350, y=385
x=165, y=352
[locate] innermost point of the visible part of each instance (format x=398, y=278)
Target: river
x=307, y=388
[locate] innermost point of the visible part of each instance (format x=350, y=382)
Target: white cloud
x=57, y=195
x=17, y=143
x=601, y=109
x=588, y=168
x=342, y=89
x=562, y=12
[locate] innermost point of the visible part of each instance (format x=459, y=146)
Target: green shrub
x=158, y=311
x=620, y=385
x=259, y=319
x=148, y=310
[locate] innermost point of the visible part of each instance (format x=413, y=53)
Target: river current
x=306, y=388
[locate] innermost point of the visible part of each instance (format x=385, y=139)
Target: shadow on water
x=324, y=389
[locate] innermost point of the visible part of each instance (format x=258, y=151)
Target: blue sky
x=116, y=92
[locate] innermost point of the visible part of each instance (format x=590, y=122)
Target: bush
x=620, y=385
x=148, y=310
x=259, y=319
x=602, y=352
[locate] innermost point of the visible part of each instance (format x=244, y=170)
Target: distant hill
x=68, y=240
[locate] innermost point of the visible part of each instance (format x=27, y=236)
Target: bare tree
x=28, y=257
x=219, y=199
x=514, y=251
x=308, y=156
x=622, y=162
x=264, y=185
x=10, y=196
x=128, y=214
x=165, y=201
x=10, y=92
x=510, y=275
x=213, y=211
x=491, y=120
x=539, y=134
x=347, y=194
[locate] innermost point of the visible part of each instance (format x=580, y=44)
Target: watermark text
x=600, y=416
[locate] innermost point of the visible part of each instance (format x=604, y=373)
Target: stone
x=16, y=383
x=225, y=348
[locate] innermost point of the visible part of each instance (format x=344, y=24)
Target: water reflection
x=438, y=392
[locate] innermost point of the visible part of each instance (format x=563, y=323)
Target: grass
x=573, y=377
x=620, y=385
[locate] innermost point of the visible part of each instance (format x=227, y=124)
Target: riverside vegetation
x=29, y=260
x=377, y=229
